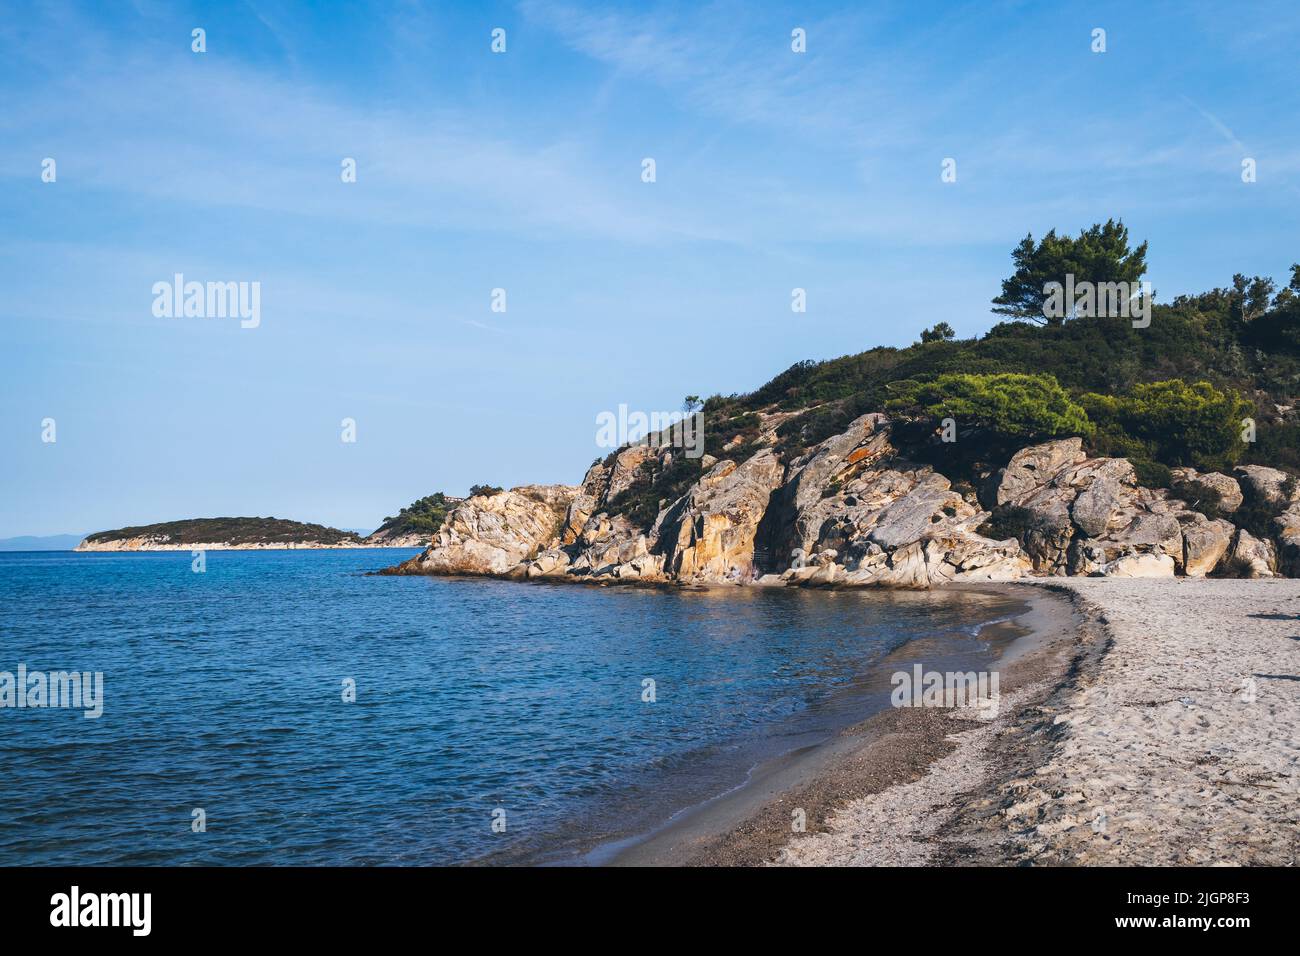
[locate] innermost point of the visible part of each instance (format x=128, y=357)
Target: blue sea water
x=223, y=690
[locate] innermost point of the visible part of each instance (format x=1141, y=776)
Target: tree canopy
x=1100, y=254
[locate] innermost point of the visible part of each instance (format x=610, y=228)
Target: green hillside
x=1174, y=393
x=423, y=517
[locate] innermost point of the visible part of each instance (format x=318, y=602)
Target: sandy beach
x=1183, y=747
x=1141, y=722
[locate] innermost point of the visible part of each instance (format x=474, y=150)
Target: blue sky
x=522, y=171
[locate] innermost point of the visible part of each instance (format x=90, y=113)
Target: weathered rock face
x=852, y=511
x=627, y=465
x=1092, y=517
x=1205, y=544
x=1032, y=468
x=1279, y=493
x=901, y=527
x=801, y=506
x=492, y=534
x=616, y=549
x=709, y=533
x=585, y=503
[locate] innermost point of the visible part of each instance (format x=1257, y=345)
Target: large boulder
x=1258, y=558
x=1205, y=544
x=913, y=516
x=1224, y=488
x=1287, y=532
x=1097, y=506
x=1266, y=484
x=1032, y=467
x=1139, y=566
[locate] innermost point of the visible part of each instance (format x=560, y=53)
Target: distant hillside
x=220, y=533
x=49, y=542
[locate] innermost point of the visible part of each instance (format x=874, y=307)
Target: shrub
x=1150, y=473
x=420, y=517
x=1180, y=424
x=484, y=490
x=1031, y=406
x=1233, y=567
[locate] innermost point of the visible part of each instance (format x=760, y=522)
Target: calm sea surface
x=224, y=691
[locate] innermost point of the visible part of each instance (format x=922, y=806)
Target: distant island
x=220, y=534
x=412, y=527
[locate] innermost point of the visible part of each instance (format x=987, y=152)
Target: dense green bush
x=1032, y=406
x=1174, y=422
x=420, y=517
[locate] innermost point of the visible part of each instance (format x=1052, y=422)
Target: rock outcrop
x=494, y=534
x=855, y=511
x=1278, y=492
x=708, y=535
x=1090, y=516
x=1257, y=558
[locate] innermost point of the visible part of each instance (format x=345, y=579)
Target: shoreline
x=751, y=824
x=1160, y=727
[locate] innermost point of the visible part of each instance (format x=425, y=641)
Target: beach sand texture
x=1176, y=741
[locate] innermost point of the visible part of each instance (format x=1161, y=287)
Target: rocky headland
x=859, y=509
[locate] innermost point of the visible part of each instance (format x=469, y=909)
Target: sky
x=522, y=170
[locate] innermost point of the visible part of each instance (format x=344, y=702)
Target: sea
x=295, y=708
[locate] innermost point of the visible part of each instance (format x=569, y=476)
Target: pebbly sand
x=1141, y=722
